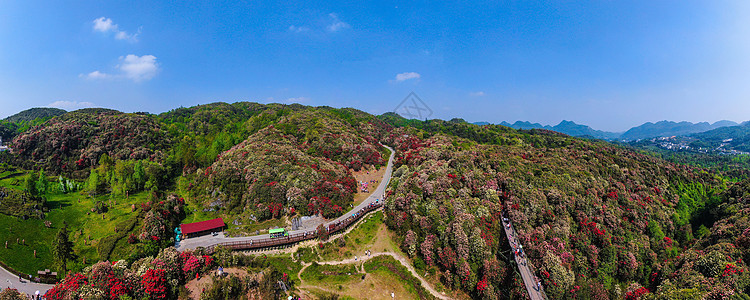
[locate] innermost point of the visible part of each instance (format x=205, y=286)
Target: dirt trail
x=196, y=286
x=360, y=261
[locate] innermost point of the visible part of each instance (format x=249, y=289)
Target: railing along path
x=332, y=228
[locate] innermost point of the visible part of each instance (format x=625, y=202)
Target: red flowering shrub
x=636, y=294
x=154, y=283
x=67, y=287
x=482, y=285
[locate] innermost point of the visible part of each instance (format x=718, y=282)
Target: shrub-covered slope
x=77, y=139
x=716, y=266
x=301, y=161
x=596, y=220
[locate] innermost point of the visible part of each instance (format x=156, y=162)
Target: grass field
x=87, y=230
x=285, y=264
x=361, y=238
x=330, y=275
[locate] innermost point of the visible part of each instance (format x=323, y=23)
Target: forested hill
x=35, y=113
x=728, y=138
x=76, y=140
x=22, y=121
x=288, y=158
x=598, y=221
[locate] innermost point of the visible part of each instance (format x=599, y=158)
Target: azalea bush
x=155, y=277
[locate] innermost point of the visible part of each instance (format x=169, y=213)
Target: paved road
x=209, y=240
x=362, y=259
x=535, y=292
x=10, y=280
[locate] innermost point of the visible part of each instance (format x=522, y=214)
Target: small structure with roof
x=202, y=228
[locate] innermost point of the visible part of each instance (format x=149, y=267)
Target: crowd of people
x=364, y=186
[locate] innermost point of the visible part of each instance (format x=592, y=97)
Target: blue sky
x=607, y=64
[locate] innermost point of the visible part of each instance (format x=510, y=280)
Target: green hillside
x=597, y=220
x=32, y=114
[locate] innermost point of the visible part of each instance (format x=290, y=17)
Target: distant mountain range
x=645, y=131
x=668, y=128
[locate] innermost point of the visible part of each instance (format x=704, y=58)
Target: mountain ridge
x=646, y=130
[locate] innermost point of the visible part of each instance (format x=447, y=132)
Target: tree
x=62, y=248
x=41, y=183
x=97, y=184
x=29, y=184
x=106, y=161
x=139, y=175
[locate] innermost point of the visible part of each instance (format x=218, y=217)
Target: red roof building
x=203, y=227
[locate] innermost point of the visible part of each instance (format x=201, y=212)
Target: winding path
x=363, y=259
x=208, y=241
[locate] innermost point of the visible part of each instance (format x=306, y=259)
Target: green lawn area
x=249, y=229
x=86, y=229
x=356, y=242
x=330, y=275
x=307, y=254
x=285, y=264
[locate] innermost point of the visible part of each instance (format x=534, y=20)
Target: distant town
x=675, y=143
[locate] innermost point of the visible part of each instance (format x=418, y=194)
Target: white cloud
x=139, y=68
x=336, y=24
x=298, y=29
x=95, y=75
x=133, y=67
x=106, y=25
x=476, y=94
x=123, y=35
x=407, y=75
x=70, y=105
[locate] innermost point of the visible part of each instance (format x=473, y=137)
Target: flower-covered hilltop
x=596, y=221
x=72, y=142
x=300, y=162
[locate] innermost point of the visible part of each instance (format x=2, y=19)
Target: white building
x=3, y=148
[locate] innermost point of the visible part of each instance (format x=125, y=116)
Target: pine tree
x=62, y=248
